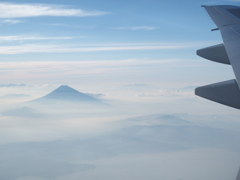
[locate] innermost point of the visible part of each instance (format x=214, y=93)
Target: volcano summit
x=66, y=94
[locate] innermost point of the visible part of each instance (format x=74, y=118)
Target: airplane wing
x=227, y=20
x=238, y=175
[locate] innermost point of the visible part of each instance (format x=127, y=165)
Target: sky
x=108, y=42
x=137, y=56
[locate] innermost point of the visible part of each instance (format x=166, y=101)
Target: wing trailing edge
x=221, y=15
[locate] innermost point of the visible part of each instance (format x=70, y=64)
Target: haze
x=138, y=118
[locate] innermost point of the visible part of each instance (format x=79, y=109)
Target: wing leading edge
x=227, y=19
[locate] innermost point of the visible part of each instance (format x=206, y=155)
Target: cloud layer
x=11, y=21
x=137, y=28
x=67, y=69
x=22, y=38
x=9, y=10
x=38, y=48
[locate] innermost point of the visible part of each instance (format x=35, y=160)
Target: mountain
x=67, y=94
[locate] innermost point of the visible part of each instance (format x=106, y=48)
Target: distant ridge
x=67, y=94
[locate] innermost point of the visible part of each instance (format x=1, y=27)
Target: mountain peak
x=63, y=86
x=65, y=93
x=65, y=89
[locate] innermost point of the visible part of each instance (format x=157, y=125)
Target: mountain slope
x=67, y=94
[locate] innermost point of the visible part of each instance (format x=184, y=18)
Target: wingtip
x=203, y=5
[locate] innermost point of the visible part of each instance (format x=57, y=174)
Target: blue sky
x=151, y=34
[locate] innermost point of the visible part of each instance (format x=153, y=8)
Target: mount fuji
x=66, y=94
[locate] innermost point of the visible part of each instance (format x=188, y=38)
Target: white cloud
x=36, y=48
x=171, y=93
x=11, y=21
x=57, y=24
x=82, y=64
x=69, y=25
x=136, y=28
x=21, y=38
x=9, y=10
x=58, y=68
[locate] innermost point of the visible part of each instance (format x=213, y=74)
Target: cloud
x=96, y=95
x=10, y=10
x=15, y=96
x=21, y=38
x=136, y=28
x=35, y=166
x=136, y=85
x=37, y=48
x=69, y=25
x=50, y=69
x=23, y=112
x=78, y=64
x=11, y=21
x=12, y=85
x=61, y=158
x=168, y=93
x=23, y=86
